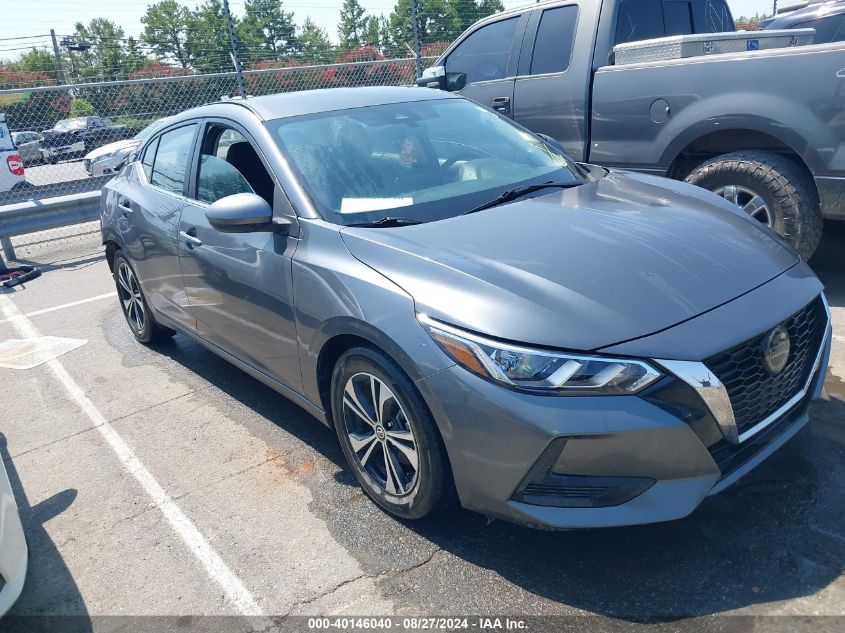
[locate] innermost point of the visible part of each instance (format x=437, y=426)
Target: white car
x=11, y=166
x=13, y=551
x=108, y=159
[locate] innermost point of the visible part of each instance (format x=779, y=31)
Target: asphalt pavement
x=165, y=482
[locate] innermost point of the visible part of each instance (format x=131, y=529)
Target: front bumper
x=612, y=460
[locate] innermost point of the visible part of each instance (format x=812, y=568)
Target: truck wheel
x=770, y=188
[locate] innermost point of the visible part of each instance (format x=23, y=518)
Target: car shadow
x=50, y=599
x=828, y=262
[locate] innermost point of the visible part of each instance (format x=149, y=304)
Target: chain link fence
x=65, y=154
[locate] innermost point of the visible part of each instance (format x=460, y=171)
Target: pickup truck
x=73, y=138
x=763, y=128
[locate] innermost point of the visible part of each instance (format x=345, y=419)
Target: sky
x=20, y=18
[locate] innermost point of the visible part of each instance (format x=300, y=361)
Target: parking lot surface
x=164, y=481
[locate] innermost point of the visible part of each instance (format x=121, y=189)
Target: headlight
x=557, y=373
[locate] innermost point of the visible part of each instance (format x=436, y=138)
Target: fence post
x=60, y=75
x=8, y=249
x=416, y=29
x=236, y=57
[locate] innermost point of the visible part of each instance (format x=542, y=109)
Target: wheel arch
x=343, y=333
x=696, y=146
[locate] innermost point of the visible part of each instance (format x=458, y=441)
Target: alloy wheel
x=380, y=434
x=130, y=297
x=747, y=199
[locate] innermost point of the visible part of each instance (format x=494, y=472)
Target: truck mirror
x=434, y=77
x=455, y=81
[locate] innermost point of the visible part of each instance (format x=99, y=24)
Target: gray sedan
x=476, y=316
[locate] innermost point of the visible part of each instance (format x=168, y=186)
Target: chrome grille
x=754, y=392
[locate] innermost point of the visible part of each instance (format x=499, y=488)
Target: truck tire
x=772, y=189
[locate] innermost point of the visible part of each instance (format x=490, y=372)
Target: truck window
x=677, y=17
x=639, y=20
x=828, y=29
x=712, y=16
x=553, y=44
x=483, y=56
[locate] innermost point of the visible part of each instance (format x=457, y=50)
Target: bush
x=80, y=107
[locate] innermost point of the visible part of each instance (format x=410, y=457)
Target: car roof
x=812, y=11
x=288, y=104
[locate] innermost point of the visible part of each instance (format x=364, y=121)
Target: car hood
x=126, y=145
x=582, y=268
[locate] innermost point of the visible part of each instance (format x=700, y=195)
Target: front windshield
x=70, y=124
x=421, y=160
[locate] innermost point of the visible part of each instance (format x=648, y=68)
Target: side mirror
x=244, y=213
x=433, y=77
x=455, y=81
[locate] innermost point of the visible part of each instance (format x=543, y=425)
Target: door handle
x=125, y=206
x=502, y=104
x=190, y=237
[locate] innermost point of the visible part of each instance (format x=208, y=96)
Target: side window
x=553, y=45
x=639, y=20
x=229, y=164
x=677, y=16
x=828, y=29
x=483, y=56
x=712, y=16
x=149, y=157
x=171, y=161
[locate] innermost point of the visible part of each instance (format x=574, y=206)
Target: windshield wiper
x=512, y=194
x=389, y=221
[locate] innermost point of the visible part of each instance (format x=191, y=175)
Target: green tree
x=437, y=20
x=166, y=29
x=35, y=61
x=135, y=57
x=470, y=11
x=80, y=107
x=207, y=39
x=352, y=23
x=267, y=30
x=104, y=56
x=314, y=44
x=371, y=34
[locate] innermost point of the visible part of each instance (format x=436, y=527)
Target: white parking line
x=214, y=565
x=68, y=305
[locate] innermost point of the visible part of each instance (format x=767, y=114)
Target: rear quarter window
x=553, y=45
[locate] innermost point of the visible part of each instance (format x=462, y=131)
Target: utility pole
x=416, y=30
x=60, y=76
x=236, y=57
x=774, y=8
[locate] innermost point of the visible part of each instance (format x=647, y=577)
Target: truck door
x=551, y=90
x=487, y=58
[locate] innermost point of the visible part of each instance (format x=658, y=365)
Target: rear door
x=150, y=203
x=488, y=57
x=551, y=91
x=239, y=285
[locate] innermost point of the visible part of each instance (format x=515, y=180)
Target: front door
x=239, y=285
x=486, y=62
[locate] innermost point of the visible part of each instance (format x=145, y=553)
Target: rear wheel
x=772, y=189
x=134, y=304
x=388, y=436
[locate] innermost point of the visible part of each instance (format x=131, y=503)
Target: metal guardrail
x=41, y=215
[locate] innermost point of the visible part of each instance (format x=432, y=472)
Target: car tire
x=791, y=201
x=133, y=303
x=405, y=492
